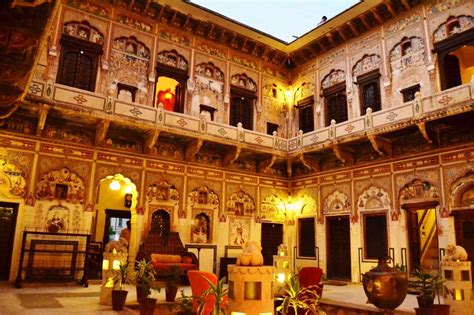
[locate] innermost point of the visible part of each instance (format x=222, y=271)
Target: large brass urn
x=385, y=287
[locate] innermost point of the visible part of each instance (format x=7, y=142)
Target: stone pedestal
x=250, y=289
x=110, y=265
x=459, y=283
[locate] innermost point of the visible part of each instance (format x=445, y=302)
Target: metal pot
x=385, y=287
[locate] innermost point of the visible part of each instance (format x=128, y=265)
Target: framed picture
x=239, y=230
x=201, y=230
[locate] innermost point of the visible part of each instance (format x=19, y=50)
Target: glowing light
x=116, y=265
x=114, y=185
x=128, y=189
x=105, y=264
x=458, y=294
x=281, y=277
x=168, y=95
x=110, y=282
x=114, y=252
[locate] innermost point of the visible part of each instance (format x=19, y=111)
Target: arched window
x=406, y=46
x=81, y=47
x=243, y=96
x=172, y=73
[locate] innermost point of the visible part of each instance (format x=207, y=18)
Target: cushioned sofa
x=166, y=253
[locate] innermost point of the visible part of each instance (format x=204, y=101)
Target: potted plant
x=172, y=277
x=219, y=292
x=440, y=289
x=118, y=294
x=144, y=281
x=424, y=285
x=299, y=298
x=185, y=304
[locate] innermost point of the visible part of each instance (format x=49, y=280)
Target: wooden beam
x=422, y=127
x=192, y=149
x=151, y=138
x=101, y=131
x=406, y=4
x=353, y=28
x=381, y=145
x=162, y=10
x=377, y=16
x=331, y=39
x=390, y=8
x=342, y=34
x=42, y=115
x=232, y=156
x=266, y=164
x=173, y=18
x=343, y=155
x=366, y=24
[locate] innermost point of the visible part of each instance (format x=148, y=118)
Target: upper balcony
x=147, y=130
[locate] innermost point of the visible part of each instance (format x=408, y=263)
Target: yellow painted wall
x=466, y=62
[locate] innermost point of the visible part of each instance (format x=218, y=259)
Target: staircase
x=429, y=259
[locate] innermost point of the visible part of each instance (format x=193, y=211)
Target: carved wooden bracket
x=422, y=127
x=42, y=115
x=381, y=145
x=151, y=138
x=343, y=155
x=311, y=164
x=193, y=148
x=266, y=164
x=232, y=155
x=101, y=131
x=289, y=168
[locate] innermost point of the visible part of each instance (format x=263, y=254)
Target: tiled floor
x=72, y=299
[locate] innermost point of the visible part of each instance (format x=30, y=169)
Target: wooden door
x=464, y=222
x=338, y=248
x=413, y=229
x=272, y=237
x=8, y=215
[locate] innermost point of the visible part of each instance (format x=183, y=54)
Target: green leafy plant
x=171, y=275
x=144, y=277
x=425, y=287
x=185, y=302
x=218, y=291
x=440, y=289
x=121, y=276
x=297, y=297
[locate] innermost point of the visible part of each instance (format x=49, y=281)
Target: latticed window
x=369, y=88
x=409, y=93
x=160, y=224
x=336, y=106
x=306, y=114
x=241, y=108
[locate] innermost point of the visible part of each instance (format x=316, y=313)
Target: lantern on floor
x=282, y=264
x=110, y=265
x=459, y=285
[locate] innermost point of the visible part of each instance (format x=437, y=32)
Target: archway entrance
x=116, y=204
x=338, y=247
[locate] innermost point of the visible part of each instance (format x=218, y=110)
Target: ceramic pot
x=171, y=291
x=118, y=299
x=385, y=287
x=442, y=309
x=147, y=306
x=142, y=292
x=425, y=311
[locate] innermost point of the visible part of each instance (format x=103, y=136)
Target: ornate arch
x=335, y=76
x=61, y=184
x=269, y=208
x=243, y=81
x=418, y=192
x=336, y=202
x=240, y=203
x=373, y=198
x=12, y=180
x=83, y=30
x=209, y=70
x=171, y=58
x=162, y=191
x=453, y=25
x=131, y=47
x=203, y=196
x=461, y=192
x=416, y=45
x=366, y=64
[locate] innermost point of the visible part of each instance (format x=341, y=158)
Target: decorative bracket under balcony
x=381, y=145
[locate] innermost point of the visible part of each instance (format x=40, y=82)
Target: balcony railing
x=449, y=100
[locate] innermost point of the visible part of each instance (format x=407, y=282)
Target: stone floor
x=74, y=299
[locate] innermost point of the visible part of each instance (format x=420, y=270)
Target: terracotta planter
x=425, y=311
x=142, y=292
x=424, y=301
x=171, y=291
x=147, y=306
x=118, y=299
x=442, y=309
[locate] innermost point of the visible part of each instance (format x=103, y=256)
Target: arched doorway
x=116, y=204
x=160, y=225
x=420, y=200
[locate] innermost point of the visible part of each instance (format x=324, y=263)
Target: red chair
x=311, y=277
x=197, y=280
